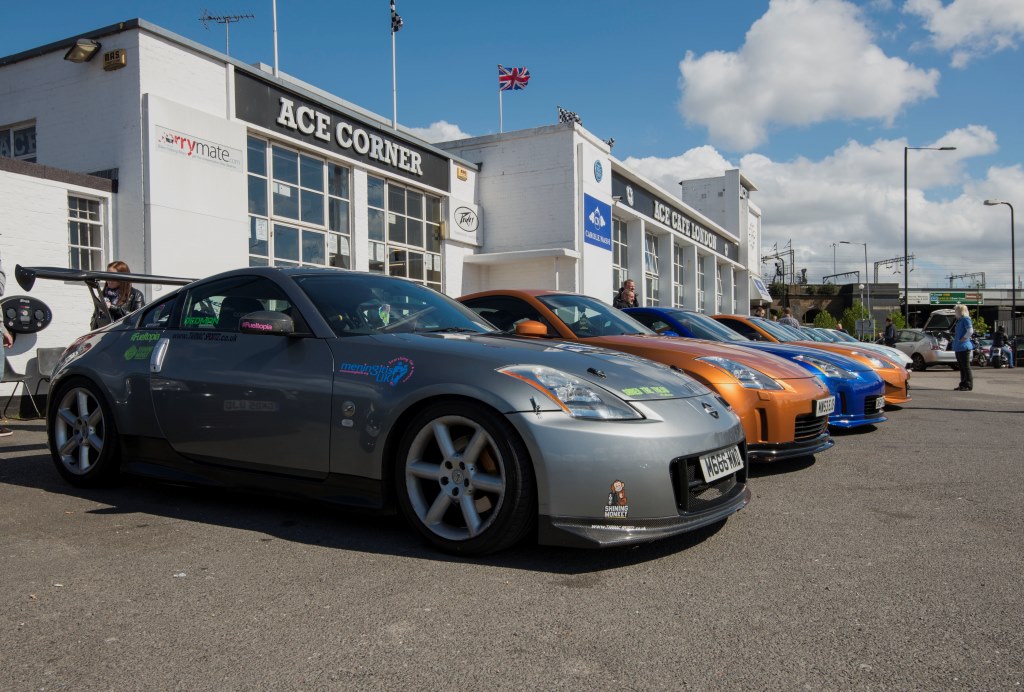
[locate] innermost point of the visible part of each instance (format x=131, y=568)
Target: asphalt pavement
x=892, y=561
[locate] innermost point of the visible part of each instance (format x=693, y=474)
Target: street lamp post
x=906, y=254
x=1013, y=264
x=866, y=278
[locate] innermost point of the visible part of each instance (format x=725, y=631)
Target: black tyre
x=981, y=360
x=82, y=435
x=919, y=364
x=464, y=479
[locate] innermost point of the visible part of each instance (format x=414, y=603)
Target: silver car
x=378, y=393
x=924, y=349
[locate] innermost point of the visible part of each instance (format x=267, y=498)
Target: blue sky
x=813, y=100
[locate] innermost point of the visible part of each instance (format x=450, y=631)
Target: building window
x=85, y=234
x=700, y=283
x=404, y=232
x=620, y=254
x=678, y=277
x=18, y=142
x=651, y=269
x=718, y=288
x=298, y=208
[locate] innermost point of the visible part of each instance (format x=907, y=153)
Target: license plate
x=721, y=464
x=880, y=403
x=824, y=406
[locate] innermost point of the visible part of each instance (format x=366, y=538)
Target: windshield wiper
x=449, y=330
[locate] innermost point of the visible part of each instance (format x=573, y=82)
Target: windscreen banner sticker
x=617, y=506
x=200, y=321
x=394, y=372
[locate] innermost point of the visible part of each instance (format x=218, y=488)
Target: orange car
x=897, y=379
x=784, y=408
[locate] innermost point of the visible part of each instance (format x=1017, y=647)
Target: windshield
x=812, y=334
x=779, y=331
x=587, y=317
x=703, y=327
x=355, y=304
x=843, y=336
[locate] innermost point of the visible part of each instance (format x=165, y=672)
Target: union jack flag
x=511, y=78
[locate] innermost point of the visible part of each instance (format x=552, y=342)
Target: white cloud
x=803, y=62
x=441, y=131
x=971, y=28
x=856, y=194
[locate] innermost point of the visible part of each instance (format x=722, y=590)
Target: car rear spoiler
x=27, y=276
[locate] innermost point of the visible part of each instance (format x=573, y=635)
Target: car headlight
x=578, y=398
x=825, y=367
x=876, y=362
x=748, y=377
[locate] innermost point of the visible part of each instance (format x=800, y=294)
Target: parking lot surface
x=892, y=561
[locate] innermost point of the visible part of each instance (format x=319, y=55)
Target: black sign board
x=315, y=124
x=647, y=203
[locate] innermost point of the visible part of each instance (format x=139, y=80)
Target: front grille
x=869, y=408
x=809, y=427
x=693, y=494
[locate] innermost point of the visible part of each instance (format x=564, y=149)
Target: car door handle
x=156, y=360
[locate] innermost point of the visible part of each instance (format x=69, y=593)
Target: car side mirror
x=531, y=328
x=267, y=322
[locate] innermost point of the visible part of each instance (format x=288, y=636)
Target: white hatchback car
x=924, y=349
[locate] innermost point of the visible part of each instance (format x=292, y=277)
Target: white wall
x=35, y=233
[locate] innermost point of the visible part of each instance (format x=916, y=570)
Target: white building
x=182, y=161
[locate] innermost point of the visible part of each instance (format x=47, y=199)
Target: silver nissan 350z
x=379, y=393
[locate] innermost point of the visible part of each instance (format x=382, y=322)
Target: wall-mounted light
x=83, y=50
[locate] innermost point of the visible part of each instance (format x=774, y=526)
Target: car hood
x=672, y=348
x=628, y=376
x=787, y=351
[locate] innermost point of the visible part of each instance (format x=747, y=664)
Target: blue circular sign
x=598, y=171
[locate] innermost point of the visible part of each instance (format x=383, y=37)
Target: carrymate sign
x=662, y=211
x=316, y=125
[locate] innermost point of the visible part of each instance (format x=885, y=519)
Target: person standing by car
x=889, y=336
x=788, y=319
x=626, y=297
x=5, y=340
x=963, y=345
x=119, y=297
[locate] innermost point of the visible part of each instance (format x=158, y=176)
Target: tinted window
x=220, y=305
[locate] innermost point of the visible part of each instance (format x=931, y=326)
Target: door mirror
x=531, y=328
x=266, y=322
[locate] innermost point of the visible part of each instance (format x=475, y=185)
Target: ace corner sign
x=597, y=222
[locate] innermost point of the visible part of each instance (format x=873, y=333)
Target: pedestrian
x=841, y=328
x=118, y=296
x=6, y=340
x=788, y=319
x=889, y=335
x=1001, y=346
x=626, y=297
x=759, y=311
x=963, y=346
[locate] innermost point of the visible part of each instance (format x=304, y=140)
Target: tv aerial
x=226, y=20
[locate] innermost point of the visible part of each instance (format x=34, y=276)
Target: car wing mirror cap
x=531, y=328
x=267, y=322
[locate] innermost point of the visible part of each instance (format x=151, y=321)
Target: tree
x=826, y=290
x=897, y=319
x=855, y=312
x=980, y=325
x=825, y=320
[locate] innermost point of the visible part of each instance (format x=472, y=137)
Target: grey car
x=926, y=350
x=377, y=393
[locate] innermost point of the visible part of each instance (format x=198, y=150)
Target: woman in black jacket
x=119, y=297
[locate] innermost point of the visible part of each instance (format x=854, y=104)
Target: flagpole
x=274, y=6
x=394, y=80
x=500, y=126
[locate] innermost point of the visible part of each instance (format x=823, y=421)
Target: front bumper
x=790, y=450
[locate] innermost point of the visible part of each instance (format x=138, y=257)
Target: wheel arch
x=392, y=444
